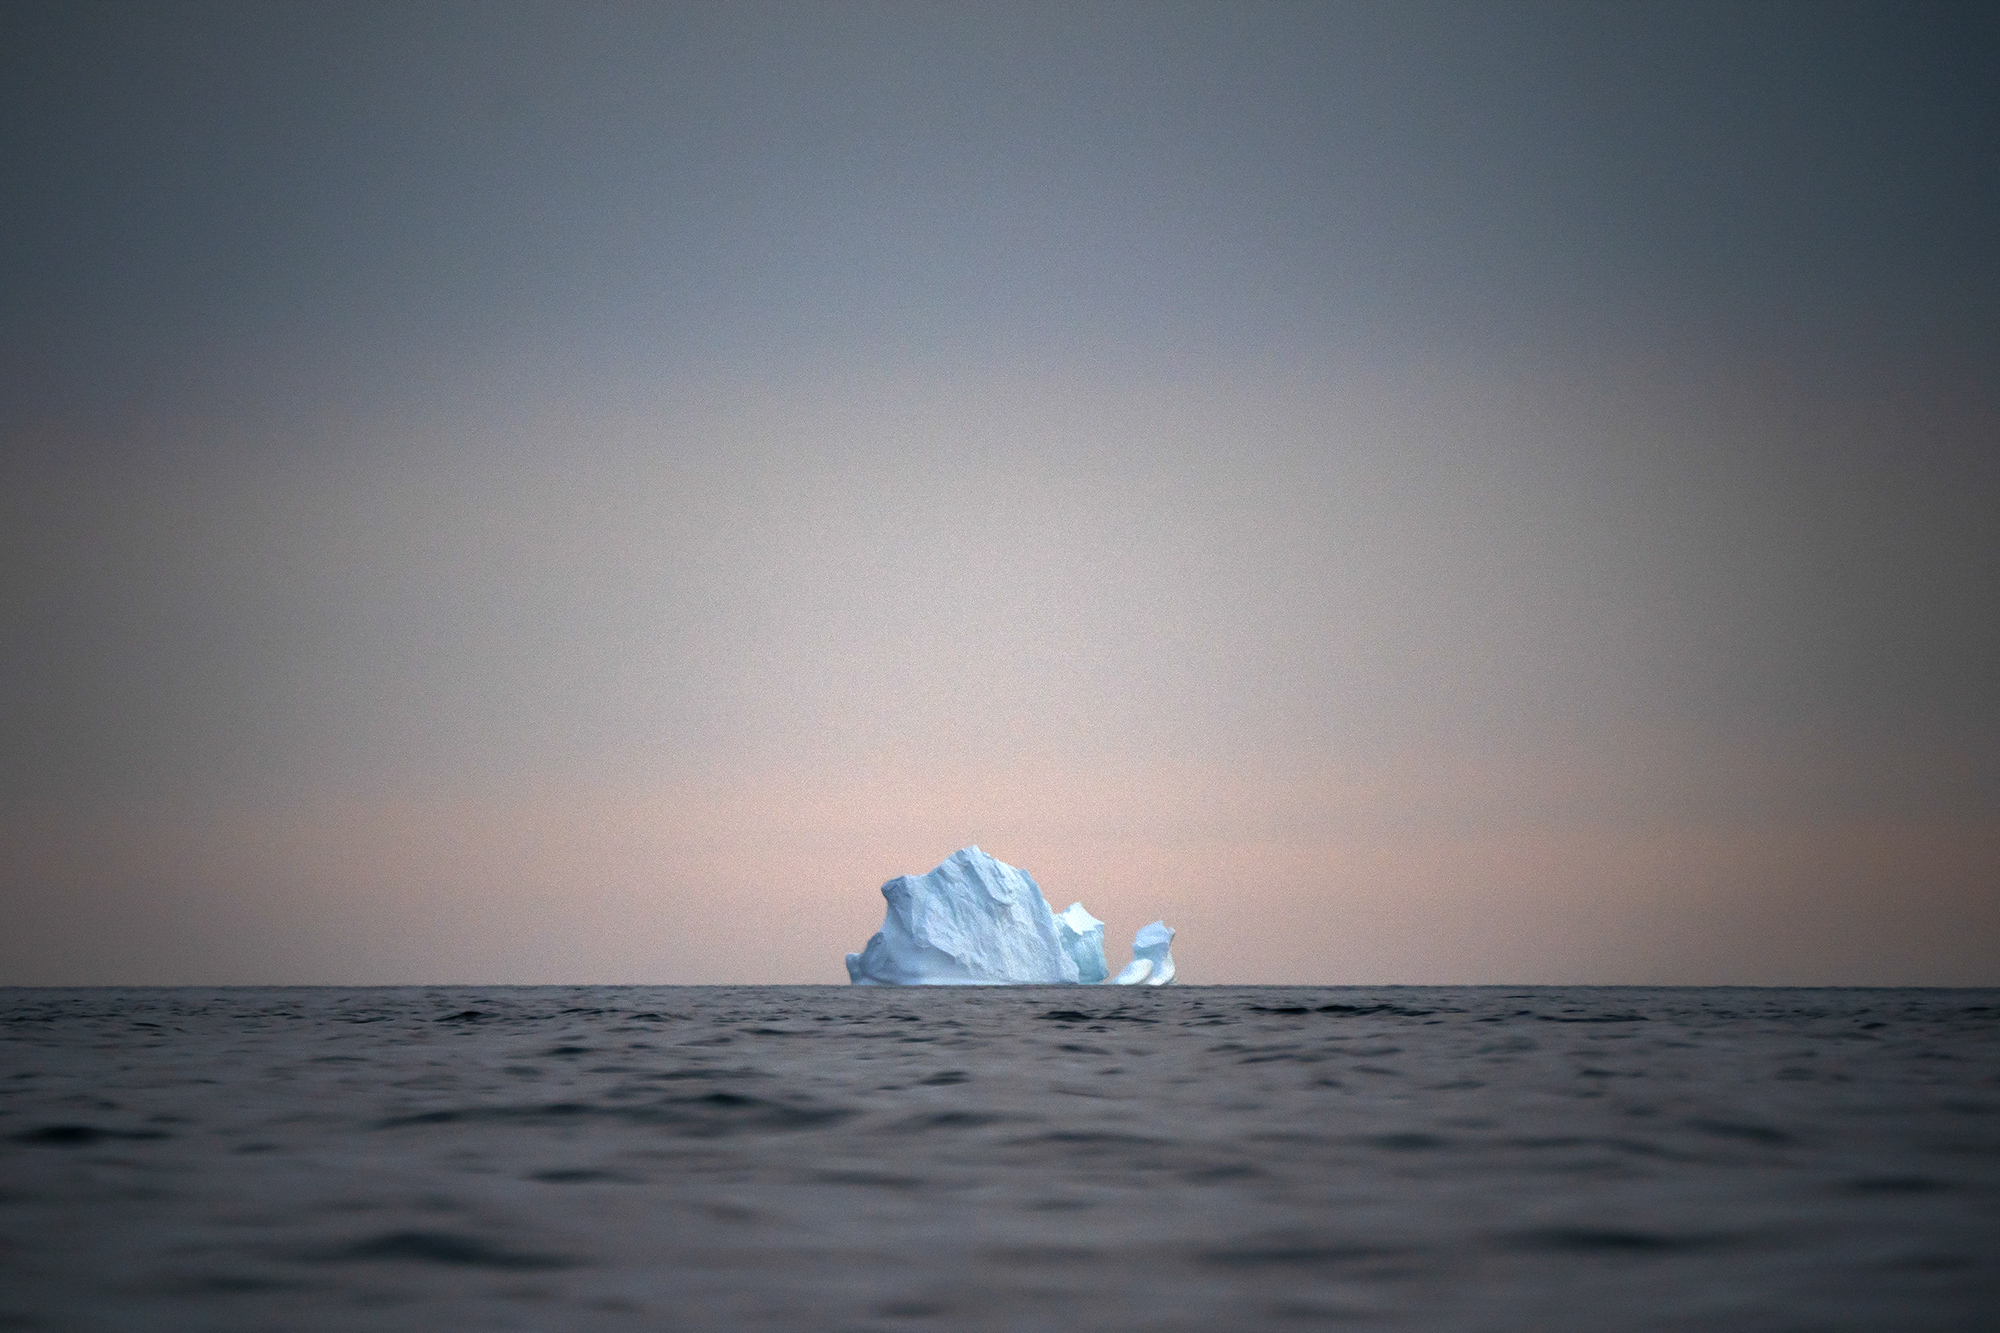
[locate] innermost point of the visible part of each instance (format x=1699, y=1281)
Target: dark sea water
x=1004, y=1158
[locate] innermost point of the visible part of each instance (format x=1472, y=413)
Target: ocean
x=827, y=1158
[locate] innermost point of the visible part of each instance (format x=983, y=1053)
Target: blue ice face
x=1082, y=937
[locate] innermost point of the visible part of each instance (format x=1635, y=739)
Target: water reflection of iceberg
x=975, y=921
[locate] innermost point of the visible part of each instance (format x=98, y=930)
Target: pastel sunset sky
x=1405, y=492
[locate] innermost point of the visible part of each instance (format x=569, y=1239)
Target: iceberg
x=977, y=921
x=972, y=921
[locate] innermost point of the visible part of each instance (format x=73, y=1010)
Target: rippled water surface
x=828, y=1158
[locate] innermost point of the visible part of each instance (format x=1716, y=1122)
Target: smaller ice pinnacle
x=1151, y=962
x=981, y=922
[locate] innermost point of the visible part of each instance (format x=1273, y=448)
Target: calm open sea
x=1490, y=1158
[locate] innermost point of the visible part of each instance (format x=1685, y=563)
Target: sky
x=1417, y=493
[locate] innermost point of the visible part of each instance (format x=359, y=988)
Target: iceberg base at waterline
x=976, y=921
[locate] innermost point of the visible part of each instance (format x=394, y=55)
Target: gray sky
x=1409, y=493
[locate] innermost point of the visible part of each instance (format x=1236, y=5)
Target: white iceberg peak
x=971, y=921
x=977, y=921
